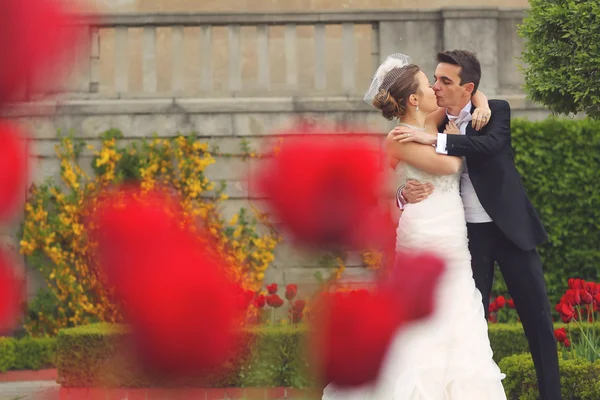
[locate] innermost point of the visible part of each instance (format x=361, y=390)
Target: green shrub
x=7, y=353
x=558, y=160
x=34, y=353
x=96, y=355
x=27, y=353
x=562, y=55
x=580, y=379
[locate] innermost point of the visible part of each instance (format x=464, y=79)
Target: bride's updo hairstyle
x=402, y=82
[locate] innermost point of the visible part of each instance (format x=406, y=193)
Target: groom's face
x=447, y=88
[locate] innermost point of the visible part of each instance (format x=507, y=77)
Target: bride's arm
x=422, y=157
x=480, y=101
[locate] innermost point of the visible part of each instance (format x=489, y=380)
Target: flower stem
x=592, y=346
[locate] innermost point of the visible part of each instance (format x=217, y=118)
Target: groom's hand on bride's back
x=415, y=192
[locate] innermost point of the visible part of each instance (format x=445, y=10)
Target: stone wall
x=221, y=122
x=287, y=5
x=137, y=92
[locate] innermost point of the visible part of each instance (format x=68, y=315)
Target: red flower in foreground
x=291, y=291
x=324, y=190
x=274, y=301
x=352, y=331
x=33, y=37
x=351, y=336
x=171, y=281
x=13, y=168
x=412, y=282
x=11, y=294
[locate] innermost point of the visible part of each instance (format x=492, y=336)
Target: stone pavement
x=29, y=390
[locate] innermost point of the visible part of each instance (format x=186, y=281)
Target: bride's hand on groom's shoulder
x=481, y=116
x=403, y=134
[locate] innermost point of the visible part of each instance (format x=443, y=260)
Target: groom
x=502, y=224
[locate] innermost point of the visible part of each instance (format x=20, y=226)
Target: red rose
x=511, y=303
x=274, y=301
x=567, y=343
x=586, y=297
x=260, y=301
x=326, y=202
x=291, y=291
x=272, y=288
x=14, y=167
x=299, y=305
x=560, y=334
x=597, y=299
x=500, y=301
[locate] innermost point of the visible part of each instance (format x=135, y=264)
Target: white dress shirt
x=474, y=212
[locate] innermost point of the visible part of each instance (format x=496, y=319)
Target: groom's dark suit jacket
x=491, y=167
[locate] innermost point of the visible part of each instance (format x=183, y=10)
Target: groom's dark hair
x=470, y=69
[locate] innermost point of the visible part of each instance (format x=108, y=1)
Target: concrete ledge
x=212, y=106
x=137, y=19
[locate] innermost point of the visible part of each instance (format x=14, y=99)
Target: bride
x=448, y=355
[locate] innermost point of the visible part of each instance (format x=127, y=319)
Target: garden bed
x=93, y=355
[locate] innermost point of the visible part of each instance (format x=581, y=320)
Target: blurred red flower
x=272, y=288
x=351, y=335
x=172, y=282
x=324, y=189
x=274, y=301
x=33, y=37
x=260, y=301
x=12, y=293
x=352, y=331
x=291, y=291
x=13, y=168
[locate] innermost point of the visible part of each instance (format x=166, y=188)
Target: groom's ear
x=470, y=88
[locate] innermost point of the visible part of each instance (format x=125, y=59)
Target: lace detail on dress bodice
x=441, y=183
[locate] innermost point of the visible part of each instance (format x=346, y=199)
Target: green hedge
x=580, y=379
x=95, y=355
x=27, y=353
x=558, y=160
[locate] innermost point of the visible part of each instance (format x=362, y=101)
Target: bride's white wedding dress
x=447, y=356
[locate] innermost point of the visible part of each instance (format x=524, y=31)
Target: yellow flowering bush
x=55, y=242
